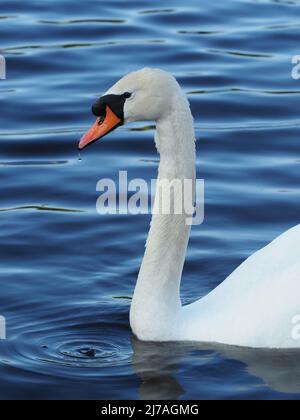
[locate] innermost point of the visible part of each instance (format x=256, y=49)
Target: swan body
x=257, y=304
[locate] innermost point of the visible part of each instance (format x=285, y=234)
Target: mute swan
x=258, y=304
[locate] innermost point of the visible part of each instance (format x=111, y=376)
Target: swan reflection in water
x=158, y=365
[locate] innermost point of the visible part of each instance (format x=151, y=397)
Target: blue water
x=67, y=274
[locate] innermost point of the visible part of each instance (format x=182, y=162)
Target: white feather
x=256, y=304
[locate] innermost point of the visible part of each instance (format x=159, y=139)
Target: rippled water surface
x=67, y=274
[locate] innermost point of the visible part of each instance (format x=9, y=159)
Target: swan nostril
x=101, y=120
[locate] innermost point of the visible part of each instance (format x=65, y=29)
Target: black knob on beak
x=99, y=108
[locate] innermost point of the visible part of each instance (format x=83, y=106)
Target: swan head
x=145, y=95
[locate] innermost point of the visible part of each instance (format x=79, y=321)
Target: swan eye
x=127, y=95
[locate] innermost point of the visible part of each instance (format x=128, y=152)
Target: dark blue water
x=67, y=274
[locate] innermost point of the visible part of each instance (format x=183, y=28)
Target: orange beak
x=100, y=129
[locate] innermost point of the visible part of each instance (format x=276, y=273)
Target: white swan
x=256, y=306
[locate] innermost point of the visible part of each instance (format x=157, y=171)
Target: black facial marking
x=115, y=102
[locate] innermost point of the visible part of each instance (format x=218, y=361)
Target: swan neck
x=156, y=302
